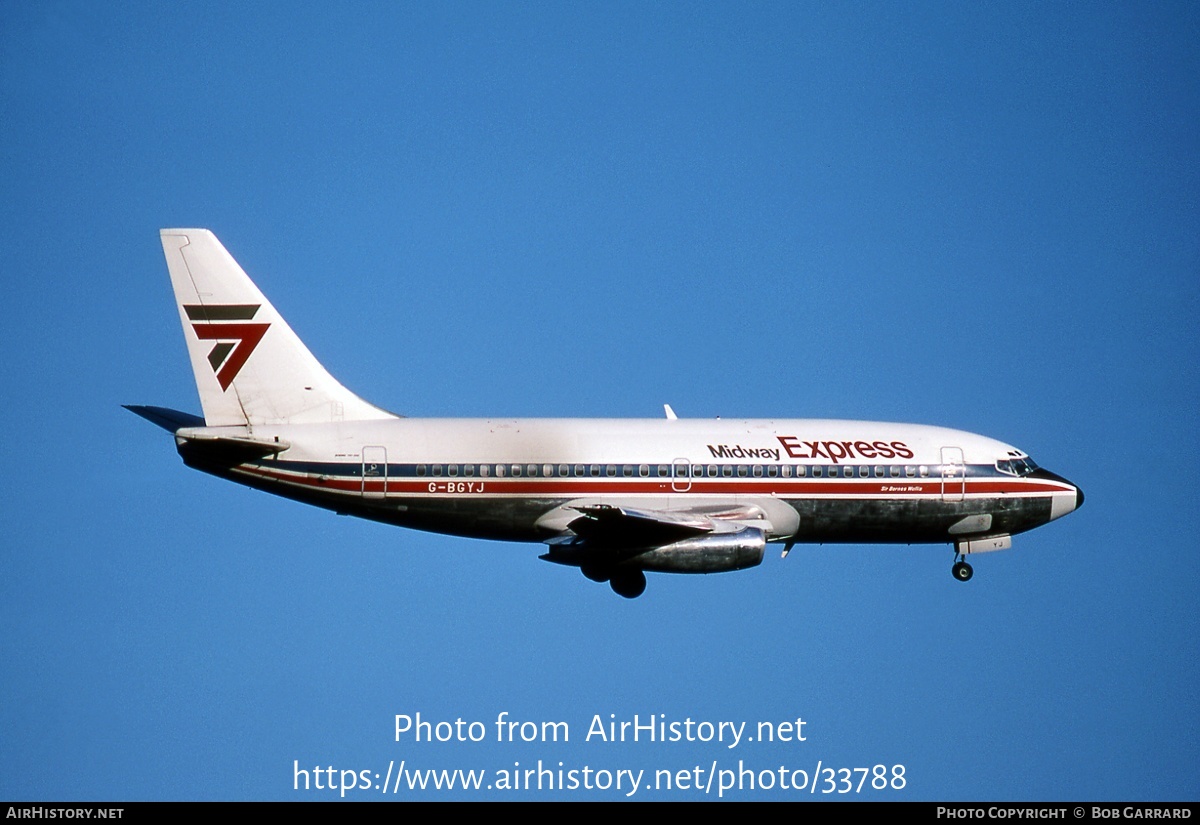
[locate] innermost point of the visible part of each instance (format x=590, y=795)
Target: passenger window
x=468, y=470
x=579, y=470
x=516, y=471
x=924, y=471
x=437, y=469
x=663, y=472
x=452, y=470
x=595, y=470
x=610, y=470
x=562, y=470
x=817, y=472
x=772, y=471
x=644, y=470
x=627, y=470
x=499, y=471
x=910, y=471
x=863, y=472
x=758, y=470
x=878, y=471
x=712, y=470
x=727, y=471
x=894, y=471
x=421, y=469
x=786, y=470
x=547, y=470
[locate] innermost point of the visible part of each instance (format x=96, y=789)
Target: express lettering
x=837, y=450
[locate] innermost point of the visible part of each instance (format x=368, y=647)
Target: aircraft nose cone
x=1078, y=490
x=1063, y=505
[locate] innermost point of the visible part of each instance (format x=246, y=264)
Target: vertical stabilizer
x=250, y=367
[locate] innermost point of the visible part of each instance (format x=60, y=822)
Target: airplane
x=615, y=498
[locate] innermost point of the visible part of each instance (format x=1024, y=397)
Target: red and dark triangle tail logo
x=229, y=325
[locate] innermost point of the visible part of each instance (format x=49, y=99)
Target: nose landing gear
x=961, y=570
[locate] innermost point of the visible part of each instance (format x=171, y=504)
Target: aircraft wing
x=700, y=539
x=606, y=525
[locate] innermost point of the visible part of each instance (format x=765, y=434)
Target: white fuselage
x=504, y=478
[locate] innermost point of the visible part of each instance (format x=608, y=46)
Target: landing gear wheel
x=962, y=571
x=596, y=574
x=629, y=583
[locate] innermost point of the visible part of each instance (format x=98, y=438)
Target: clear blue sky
x=976, y=215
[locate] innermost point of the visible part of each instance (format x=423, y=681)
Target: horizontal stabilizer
x=170, y=420
x=203, y=442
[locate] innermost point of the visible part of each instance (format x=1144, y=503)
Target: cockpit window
x=1019, y=466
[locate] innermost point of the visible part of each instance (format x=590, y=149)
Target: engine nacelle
x=713, y=553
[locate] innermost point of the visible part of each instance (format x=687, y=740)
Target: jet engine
x=711, y=553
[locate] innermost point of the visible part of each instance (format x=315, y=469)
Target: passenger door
x=954, y=474
x=374, y=472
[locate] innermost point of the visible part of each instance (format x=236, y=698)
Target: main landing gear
x=961, y=570
x=627, y=583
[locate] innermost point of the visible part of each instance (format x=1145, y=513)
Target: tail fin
x=250, y=367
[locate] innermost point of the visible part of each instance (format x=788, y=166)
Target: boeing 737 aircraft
x=614, y=498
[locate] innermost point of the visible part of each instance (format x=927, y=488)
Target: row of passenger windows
x=678, y=471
